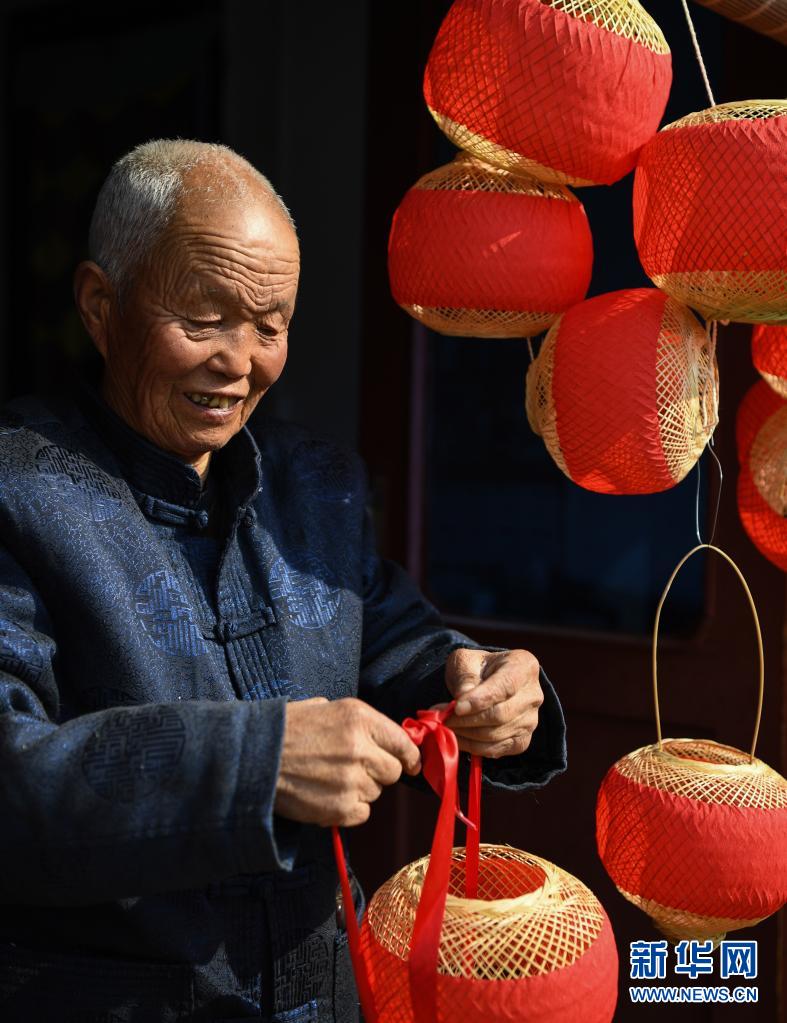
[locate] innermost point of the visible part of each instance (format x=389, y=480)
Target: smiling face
x=202, y=333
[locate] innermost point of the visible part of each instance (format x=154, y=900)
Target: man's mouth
x=220, y=401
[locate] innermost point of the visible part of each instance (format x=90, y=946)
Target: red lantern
x=693, y=832
x=568, y=92
x=769, y=355
x=762, y=489
x=476, y=251
x=710, y=192
x=479, y=934
x=759, y=402
x=549, y=956
x=624, y=392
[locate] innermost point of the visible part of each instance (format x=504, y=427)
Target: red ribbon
x=473, y=840
x=440, y=759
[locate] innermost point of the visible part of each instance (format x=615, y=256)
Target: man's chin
x=205, y=443
x=197, y=446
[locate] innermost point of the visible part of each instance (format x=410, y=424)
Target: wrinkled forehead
x=217, y=247
x=249, y=217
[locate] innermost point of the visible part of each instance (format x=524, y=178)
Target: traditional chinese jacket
x=150, y=639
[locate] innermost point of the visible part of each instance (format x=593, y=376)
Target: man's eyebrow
x=287, y=308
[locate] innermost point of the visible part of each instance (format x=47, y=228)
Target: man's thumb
x=463, y=671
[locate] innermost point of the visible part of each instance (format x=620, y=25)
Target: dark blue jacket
x=150, y=637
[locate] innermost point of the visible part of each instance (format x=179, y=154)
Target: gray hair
x=144, y=189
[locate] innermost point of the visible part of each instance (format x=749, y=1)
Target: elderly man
x=202, y=659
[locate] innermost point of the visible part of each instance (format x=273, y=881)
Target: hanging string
x=714, y=334
x=715, y=519
x=530, y=349
x=697, y=502
x=712, y=329
x=699, y=53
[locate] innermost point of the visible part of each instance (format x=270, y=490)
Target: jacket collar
x=159, y=476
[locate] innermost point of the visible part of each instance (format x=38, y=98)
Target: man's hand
x=335, y=759
x=498, y=696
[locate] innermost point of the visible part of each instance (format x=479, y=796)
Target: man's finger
x=527, y=722
x=527, y=698
x=498, y=688
x=464, y=670
x=394, y=740
x=370, y=790
x=506, y=748
x=384, y=768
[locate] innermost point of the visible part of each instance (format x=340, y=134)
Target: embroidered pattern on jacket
x=308, y=599
x=134, y=753
x=88, y=489
x=167, y=616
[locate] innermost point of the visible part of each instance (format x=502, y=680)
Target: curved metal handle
x=681, y=563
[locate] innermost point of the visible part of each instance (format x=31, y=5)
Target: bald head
x=147, y=188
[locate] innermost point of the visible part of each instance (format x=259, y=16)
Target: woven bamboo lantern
x=476, y=251
x=709, y=197
x=759, y=403
x=566, y=90
x=535, y=944
x=694, y=832
x=762, y=489
x=624, y=392
x=482, y=933
x=769, y=355
x=766, y=16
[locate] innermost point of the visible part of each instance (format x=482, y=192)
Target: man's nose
x=233, y=354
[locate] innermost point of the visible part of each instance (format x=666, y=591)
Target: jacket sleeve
x=405, y=647
x=130, y=800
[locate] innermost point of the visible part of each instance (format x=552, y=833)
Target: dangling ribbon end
x=465, y=820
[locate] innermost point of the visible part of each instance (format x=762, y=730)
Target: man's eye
x=202, y=324
x=267, y=330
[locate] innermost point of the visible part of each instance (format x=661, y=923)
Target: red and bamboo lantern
x=759, y=403
x=566, y=90
x=694, y=832
x=482, y=933
x=710, y=192
x=535, y=944
x=769, y=355
x=478, y=252
x=624, y=392
x=762, y=489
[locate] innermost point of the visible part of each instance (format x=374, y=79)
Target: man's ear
x=94, y=296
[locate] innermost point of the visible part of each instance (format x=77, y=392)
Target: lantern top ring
x=544, y=880
x=521, y=905
x=707, y=771
x=734, y=761
x=625, y=18
x=760, y=650
x=738, y=110
x=467, y=173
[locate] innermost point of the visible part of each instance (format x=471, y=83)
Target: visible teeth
x=215, y=402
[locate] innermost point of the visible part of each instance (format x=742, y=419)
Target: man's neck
x=202, y=464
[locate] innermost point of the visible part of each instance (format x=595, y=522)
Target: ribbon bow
x=440, y=754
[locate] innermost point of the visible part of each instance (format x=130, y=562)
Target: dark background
x=326, y=100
